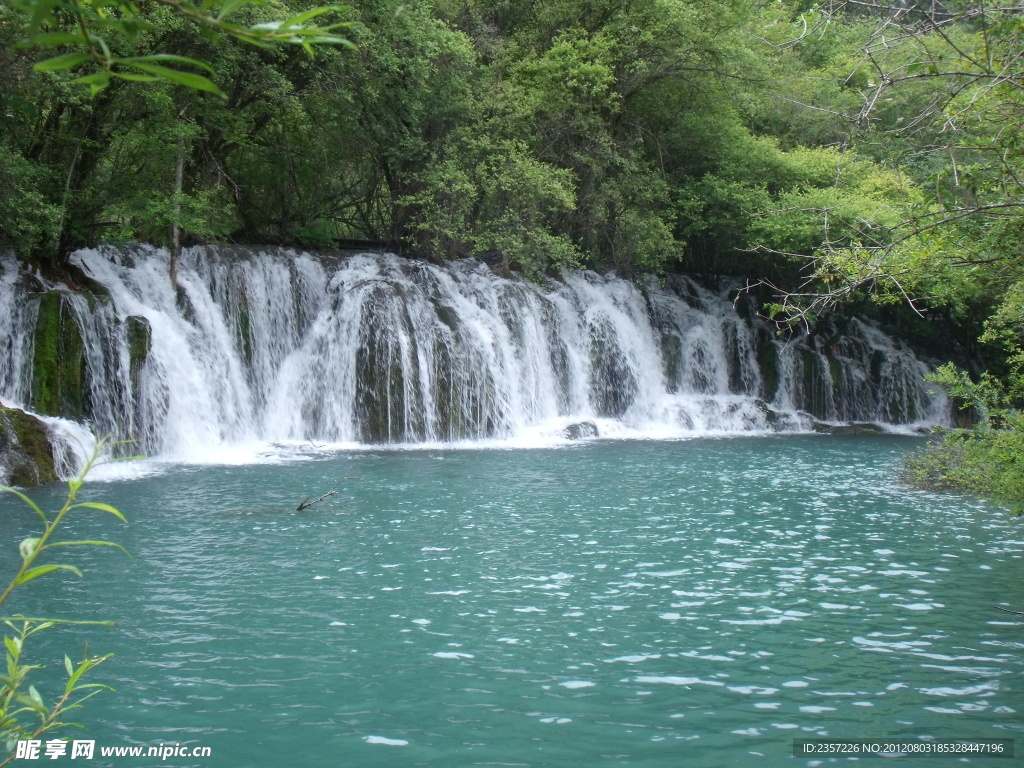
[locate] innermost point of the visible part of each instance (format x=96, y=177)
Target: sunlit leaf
x=302, y=18
x=13, y=646
x=99, y=504
x=34, y=695
x=42, y=570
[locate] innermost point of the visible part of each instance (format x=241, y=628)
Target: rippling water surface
x=700, y=602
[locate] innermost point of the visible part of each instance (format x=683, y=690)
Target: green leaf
x=84, y=667
x=52, y=39
x=76, y=675
x=27, y=547
x=98, y=504
x=168, y=57
x=34, y=695
x=89, y=543
x=67, y=61
x=138, y=78
x=103, y=47
x=26, y=499
x=13, y=646
x=302, y=18
x=69, y=666
x=42, y=570
x=324, y=40
x=229, y=7
x=187, y=79
x=266, y=26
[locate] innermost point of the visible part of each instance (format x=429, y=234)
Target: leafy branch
x=965, y=210
x=88, y=29
x=19, y=699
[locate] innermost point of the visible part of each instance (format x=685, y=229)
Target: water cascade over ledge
x=272, y=345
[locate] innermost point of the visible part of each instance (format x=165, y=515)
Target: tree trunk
x=179, y=181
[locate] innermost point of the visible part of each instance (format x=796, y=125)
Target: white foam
x=386, y=741
x=635, y=658
x=673, y=680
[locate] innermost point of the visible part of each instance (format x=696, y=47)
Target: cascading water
x=278, y=346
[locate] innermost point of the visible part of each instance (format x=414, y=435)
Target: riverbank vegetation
x=840, y=152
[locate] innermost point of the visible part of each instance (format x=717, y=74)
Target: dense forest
x=838, y=152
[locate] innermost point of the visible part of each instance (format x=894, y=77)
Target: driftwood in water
x=1007, y=610
x=306, y=503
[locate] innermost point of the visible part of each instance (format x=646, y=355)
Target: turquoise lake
x=659, y=604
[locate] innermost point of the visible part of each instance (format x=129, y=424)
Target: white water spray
x=262, y=346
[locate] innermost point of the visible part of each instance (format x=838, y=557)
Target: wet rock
x=774, y=419
x=580, y=430
x=26, y=456
x=58, y=364
x=855, y=428
x=140, y=343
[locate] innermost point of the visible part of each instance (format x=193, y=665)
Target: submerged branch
x=1007, y=610
x=306, y=503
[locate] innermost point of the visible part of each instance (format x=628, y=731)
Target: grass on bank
x=987, y=459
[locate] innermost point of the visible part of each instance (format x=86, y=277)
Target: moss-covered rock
x=672, y=359
x=139, y=335
x=58, y=362
x=26, y=456
x=835, y=369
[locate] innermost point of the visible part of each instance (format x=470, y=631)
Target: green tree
x=133, y=162
x=943, y=105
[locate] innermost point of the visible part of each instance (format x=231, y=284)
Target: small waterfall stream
x=276, y=346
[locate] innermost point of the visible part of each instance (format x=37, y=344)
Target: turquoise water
x=651, y=604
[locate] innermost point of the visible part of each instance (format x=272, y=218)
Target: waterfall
x=275, y=346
